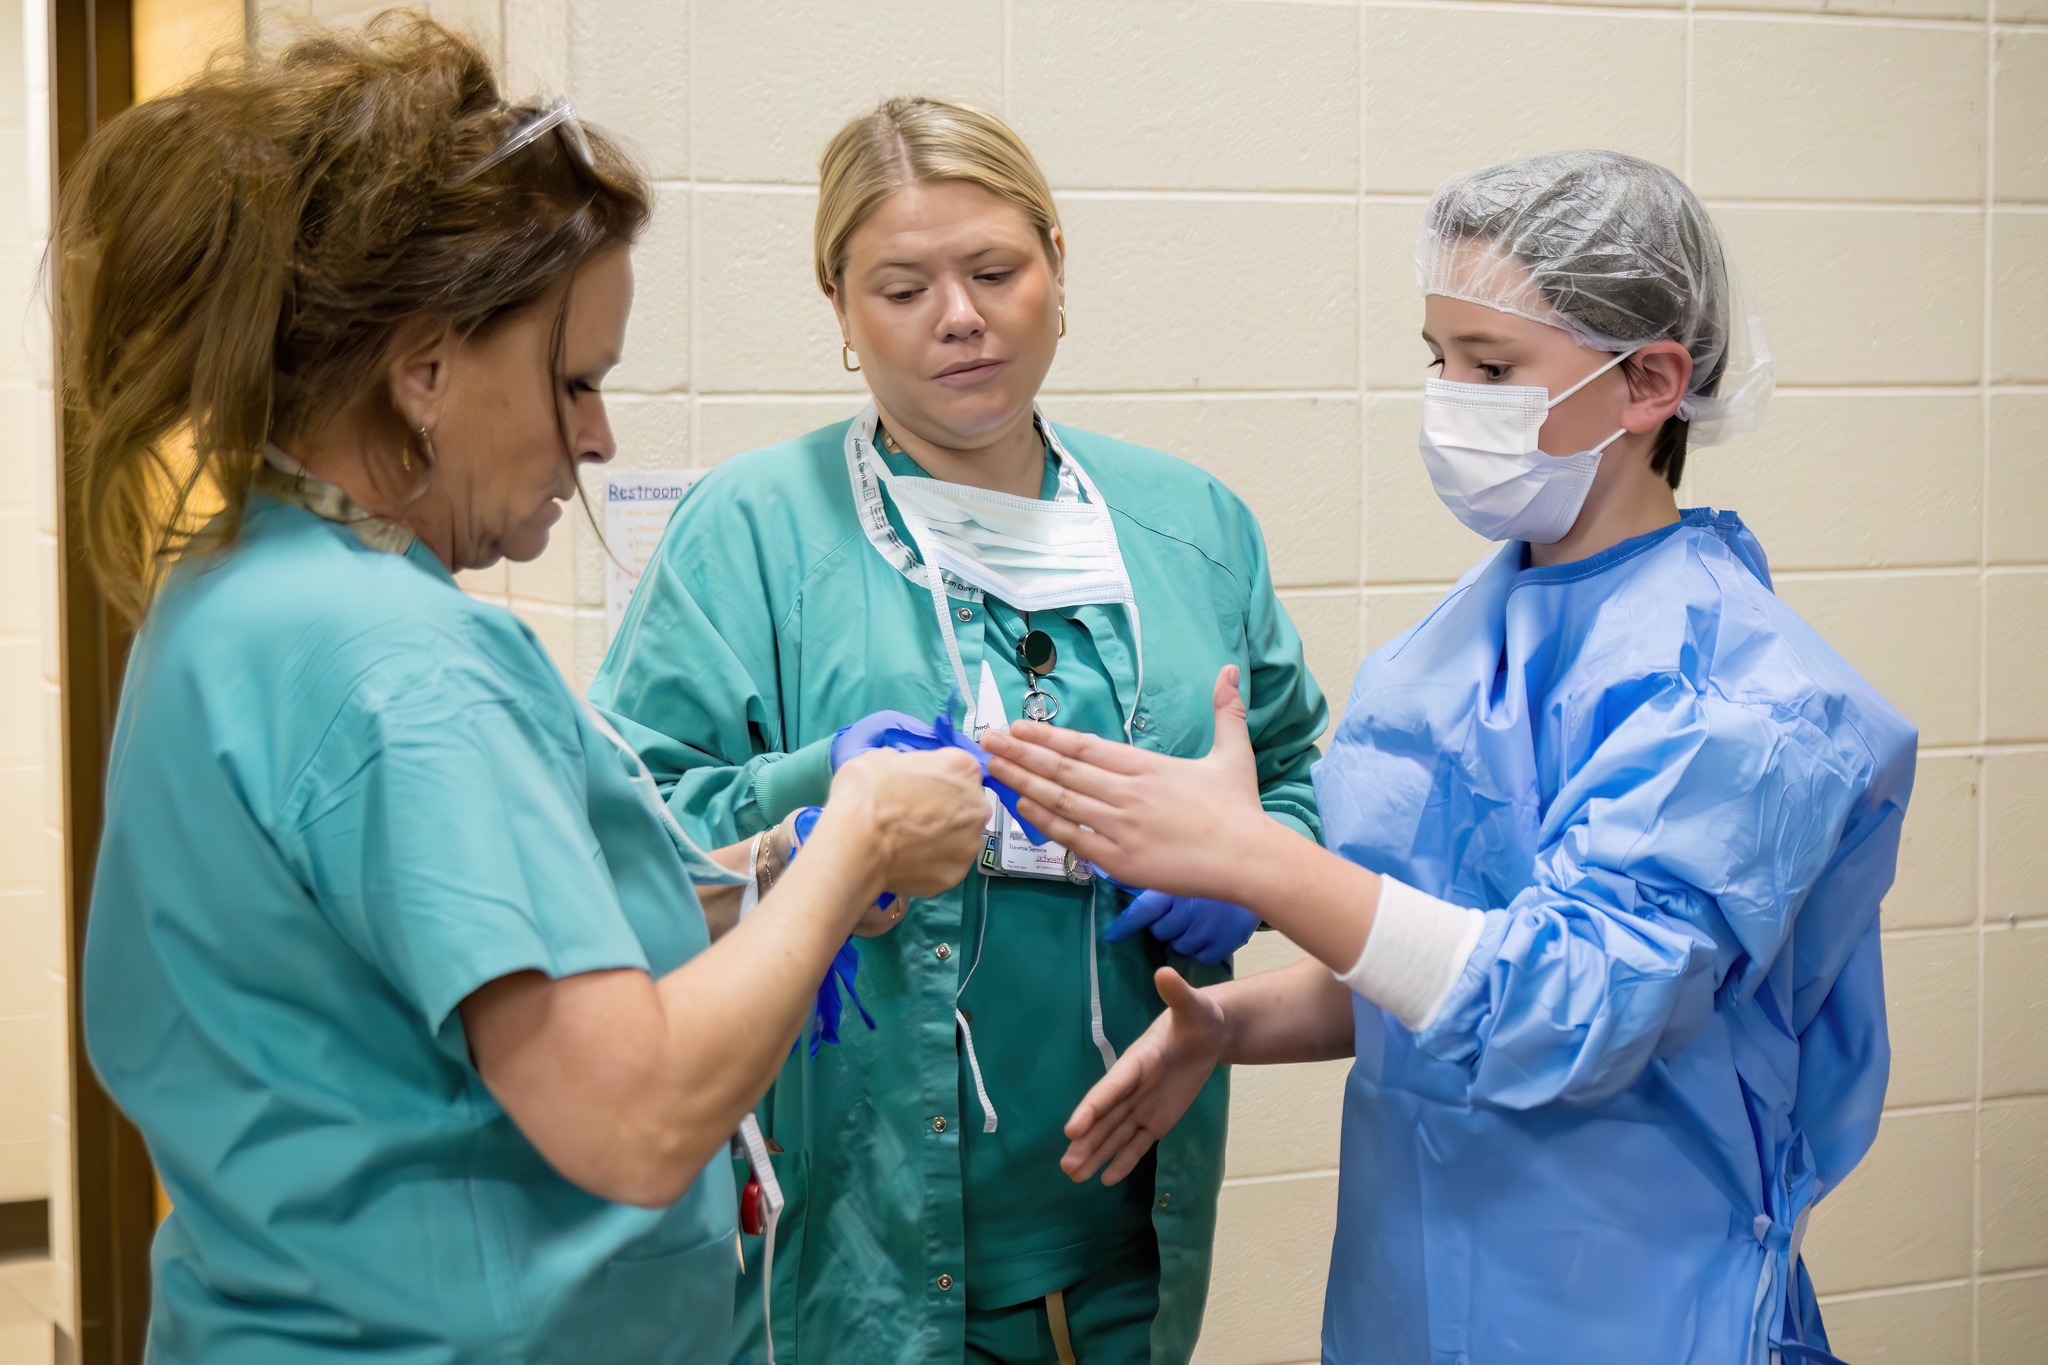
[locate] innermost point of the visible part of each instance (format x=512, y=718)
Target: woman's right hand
x=921, y=815
x=1150, y=1086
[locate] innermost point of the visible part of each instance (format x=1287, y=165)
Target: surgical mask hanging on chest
x=1033, y=553
x=1479, y=442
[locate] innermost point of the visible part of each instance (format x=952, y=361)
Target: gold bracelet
x=767, y=869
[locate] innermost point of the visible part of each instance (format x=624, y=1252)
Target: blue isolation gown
x=1679, y=810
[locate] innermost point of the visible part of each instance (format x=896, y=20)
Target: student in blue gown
x=1609, y=831
x=394, y=956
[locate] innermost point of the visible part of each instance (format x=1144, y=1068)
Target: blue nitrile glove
x=825, y=1025
x=1205, y=930
x=942, y=728
x=845, y=963
x=883, y=730
x=896, y=730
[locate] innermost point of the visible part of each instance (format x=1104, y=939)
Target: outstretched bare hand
x=1150, y=1086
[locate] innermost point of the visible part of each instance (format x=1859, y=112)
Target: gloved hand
x=1205, y=930
x=884, y=730
x=897, y=730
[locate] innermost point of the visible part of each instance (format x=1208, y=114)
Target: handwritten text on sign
x=636, y=509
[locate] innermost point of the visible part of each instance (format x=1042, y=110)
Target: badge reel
x=1008, y=852
x=1038, y=656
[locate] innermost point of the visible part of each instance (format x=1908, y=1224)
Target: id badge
x=1007, y=853
x=1019, y=857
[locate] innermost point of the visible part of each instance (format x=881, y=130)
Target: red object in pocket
x=752, y=1221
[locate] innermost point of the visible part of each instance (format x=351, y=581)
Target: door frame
x=113, y=1183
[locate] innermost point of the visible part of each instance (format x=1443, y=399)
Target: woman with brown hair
x=394, y=957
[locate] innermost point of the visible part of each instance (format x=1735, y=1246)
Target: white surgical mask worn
x=1479, y=442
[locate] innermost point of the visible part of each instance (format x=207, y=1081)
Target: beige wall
x=34, y=1067
x=1239, y=180
x=31, y=876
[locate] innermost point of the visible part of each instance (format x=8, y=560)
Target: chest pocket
x=864, y=639
x=1193, y=615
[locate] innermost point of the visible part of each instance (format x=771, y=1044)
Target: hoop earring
x=1063, y=319
x=427, y=456
x=846, y=359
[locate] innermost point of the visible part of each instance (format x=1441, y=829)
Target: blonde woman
x=951, y=547
x=395, y=958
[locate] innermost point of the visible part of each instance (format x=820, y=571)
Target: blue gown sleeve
x=1680, y=852
x=443, y=828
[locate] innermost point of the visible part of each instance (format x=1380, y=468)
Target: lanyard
x=865, y=469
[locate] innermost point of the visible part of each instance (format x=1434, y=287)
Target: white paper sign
x=636, y=509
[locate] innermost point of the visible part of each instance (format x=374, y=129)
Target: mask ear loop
x=1590, y=378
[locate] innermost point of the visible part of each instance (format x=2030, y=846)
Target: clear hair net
x=1616, y=251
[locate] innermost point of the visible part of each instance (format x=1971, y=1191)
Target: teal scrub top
x=1028, y=1229
x=767, y=620
x=342, y=796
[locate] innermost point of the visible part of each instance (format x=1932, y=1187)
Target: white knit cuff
x=1415, y=953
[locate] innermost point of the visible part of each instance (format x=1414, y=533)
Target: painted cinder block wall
x=34, y=1099
x=1239, y=181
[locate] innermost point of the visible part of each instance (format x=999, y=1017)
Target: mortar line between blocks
x=1869, y=571
x=694, y=276
x=1277, y=1178
x=1316, y=590
x=1690, y=29
x=1984, y=361
x=2015, y=1101
x=1951, y=206
x=1893, y=1290
x=1362, y=302
x=1675, y=12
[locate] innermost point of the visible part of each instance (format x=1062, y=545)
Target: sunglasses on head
x=559, y=117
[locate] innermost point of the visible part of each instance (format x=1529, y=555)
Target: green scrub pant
x=1108, y=1322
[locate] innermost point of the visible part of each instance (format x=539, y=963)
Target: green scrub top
x=765, y=622
x=343, y=796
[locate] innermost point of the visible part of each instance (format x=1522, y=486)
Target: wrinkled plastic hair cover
x=1614, y=250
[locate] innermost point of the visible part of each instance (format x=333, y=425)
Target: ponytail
x=236, y=260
